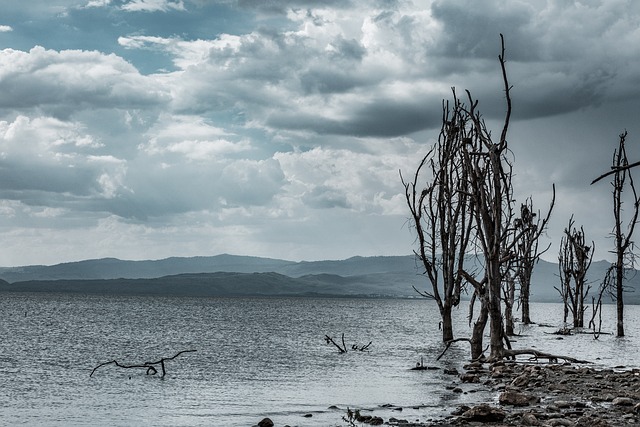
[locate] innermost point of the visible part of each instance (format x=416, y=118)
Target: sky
x=144, y=129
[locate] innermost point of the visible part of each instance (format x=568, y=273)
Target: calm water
x=255, y=358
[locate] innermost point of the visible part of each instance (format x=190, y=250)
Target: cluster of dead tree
x=342, y=347
x=575, y=255
x=150, y=367
x=471, y=237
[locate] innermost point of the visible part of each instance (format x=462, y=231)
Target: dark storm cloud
x=382, y=118
x=470, y=32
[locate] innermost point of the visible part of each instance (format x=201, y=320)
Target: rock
x=603, y=398
x=529, y=420
x=561, y=422
x=562, y=404
x=376, y=421
x=470, y=378
x=473, y=365
x=460, y=410
x=308, y=415
x=622, y=401
x=521, y=380
x=453, y=371
x=266, y=422
x=515, y=398
x=484, y=413
x=592, y=422
x=636, y=408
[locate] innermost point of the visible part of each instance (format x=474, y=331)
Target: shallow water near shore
x=256, y=357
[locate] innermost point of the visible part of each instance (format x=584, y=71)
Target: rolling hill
x=231, y=275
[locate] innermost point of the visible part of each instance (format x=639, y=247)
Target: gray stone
x=562, y=404
x=529, y=420
x=521, y=380
x=484, y=413
x=515, y=398
x=561, y=422
x=470, y=378
x=266, y=422
x=622, y=401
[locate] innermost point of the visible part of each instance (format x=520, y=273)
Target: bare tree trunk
x=524, y=303
x=479, y=326
x=509, y=299
x=619, y=295
x=447, y=322
x=620, y=170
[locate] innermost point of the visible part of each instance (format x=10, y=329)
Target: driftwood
x=511, y=354
x=551, y=358
x=149, y=366
x=343, y=348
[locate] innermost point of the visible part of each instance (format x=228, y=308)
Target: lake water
x=256, y=357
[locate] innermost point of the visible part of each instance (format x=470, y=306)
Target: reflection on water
x=255, y=357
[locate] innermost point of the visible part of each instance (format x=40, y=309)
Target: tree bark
x=479, y=326
x=619, y=296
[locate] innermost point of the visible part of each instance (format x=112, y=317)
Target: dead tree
x=596, y=305
x=489, y=172
x=529, y=227
x=574, y=260
x=620, y=169
x=149, y=366
x=440, y=213
x=488, y=169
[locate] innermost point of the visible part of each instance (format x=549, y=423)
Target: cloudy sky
x=143, y=129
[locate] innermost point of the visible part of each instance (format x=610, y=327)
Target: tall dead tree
x=441, y=214
x=491, y=194
x=529, y=227
x=574, y=260
x=620, y=169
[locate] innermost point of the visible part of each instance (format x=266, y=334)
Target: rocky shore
x=547, y=395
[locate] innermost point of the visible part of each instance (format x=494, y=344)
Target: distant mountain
x=392, y=276
x=223, y=284
x=112, y=268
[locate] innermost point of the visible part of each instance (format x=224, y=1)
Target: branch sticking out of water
x=343, y=348
x=151, y=370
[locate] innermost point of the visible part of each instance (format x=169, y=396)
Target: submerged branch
x=151, y=370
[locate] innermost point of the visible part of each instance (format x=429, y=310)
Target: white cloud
x=153, y=5
x=54, y=163
x=193, y=138
x=66, y=81
x=97, y=3
x=5, y=29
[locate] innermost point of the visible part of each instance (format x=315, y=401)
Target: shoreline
x=530, y=394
